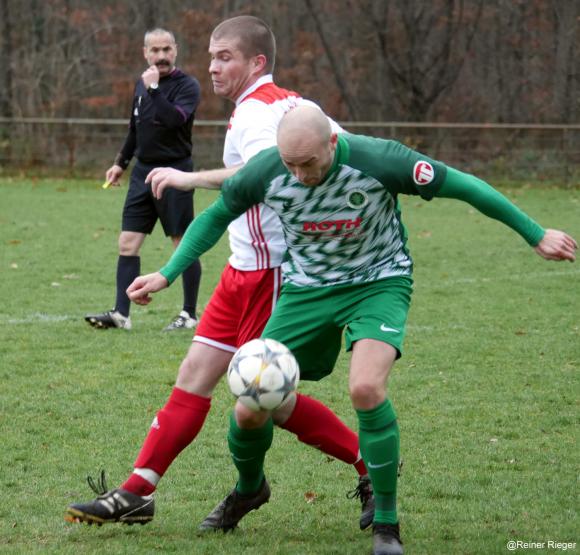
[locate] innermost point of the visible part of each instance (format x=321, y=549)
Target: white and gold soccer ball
x=262, y=374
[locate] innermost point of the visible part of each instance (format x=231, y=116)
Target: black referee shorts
x=142, y=209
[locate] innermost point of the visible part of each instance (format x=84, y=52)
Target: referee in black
x=164, y=105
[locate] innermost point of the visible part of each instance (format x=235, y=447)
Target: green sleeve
x=399, y=168
x=247, y=187
x=492, y=203
x=201, y=235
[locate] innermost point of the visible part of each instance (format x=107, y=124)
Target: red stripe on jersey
x=251, y=230
x=270, y=93
x=266, y=251
x=251, y=220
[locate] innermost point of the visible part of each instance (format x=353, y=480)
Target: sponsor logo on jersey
x=357, y=199
x=423, y=173
x=328, y=225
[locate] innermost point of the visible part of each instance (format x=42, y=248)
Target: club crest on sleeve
x=423, y=173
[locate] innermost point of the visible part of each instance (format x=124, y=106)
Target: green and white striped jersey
x=348, y=229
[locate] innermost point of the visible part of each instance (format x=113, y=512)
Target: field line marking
x=37, y=317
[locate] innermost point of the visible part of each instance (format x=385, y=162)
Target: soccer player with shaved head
x=242, y=52
x=348, y=270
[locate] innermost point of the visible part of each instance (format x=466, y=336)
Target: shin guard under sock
x=174, y=428
x=379, y=445
x=248, y=449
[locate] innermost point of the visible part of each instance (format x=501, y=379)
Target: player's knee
x=366, y=394
x=196, y=377
x=129, y=244
x=249, y=419
x=285, y=410
x=186, y=370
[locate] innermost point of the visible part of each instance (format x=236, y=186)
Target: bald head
x=302, y=127
x=306, y=143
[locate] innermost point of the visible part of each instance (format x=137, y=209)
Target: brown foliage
x=459, y=60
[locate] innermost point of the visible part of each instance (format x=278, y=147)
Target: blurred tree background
x=402, y=60
x=495, y=61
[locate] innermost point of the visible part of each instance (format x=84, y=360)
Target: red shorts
x=239, y=307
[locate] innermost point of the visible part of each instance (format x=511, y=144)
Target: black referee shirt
x=161, y=121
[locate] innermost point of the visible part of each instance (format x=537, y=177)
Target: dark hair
x=253, y=35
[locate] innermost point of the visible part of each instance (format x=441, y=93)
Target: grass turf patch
x=486, y=392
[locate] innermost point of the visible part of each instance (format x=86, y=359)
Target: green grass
x=487, y=392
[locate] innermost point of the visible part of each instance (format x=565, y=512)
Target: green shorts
x=310, y=320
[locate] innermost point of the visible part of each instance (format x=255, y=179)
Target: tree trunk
x=6, y=49
x=564, y=101
x=340, y=82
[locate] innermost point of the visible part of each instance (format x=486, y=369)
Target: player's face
x=231, y=73
x=161, y=51
x=311, y=166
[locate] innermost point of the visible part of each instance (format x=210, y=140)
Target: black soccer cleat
x=109, y=319
x=364, y=491
x=117, y=505
x=233, y=508
x=183, y=321
x=387, y=539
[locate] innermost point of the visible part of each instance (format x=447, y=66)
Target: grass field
x=487, y=392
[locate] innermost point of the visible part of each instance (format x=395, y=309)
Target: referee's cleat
x=233, y=508
x=387, y=539
x=364, y=491
x=109, y=319
x=182, y=322
x=117, y=505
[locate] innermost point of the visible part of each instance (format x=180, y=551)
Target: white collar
x=261, y=81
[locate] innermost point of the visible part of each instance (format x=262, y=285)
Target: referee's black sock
x=128, y=268
x=191, y=279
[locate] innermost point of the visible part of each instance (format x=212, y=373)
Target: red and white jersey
x=256, y=238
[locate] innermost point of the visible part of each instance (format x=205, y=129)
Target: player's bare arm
x=139, y=291
x=161, y=178
x=557, y=245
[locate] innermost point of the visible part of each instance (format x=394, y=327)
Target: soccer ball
x=262, y=374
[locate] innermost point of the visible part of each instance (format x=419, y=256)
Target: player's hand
x=557, y=245
x=139, y=291
x=113, y=175
x=161, y=178
x=150, y=75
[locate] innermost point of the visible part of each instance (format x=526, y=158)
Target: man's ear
x=259, y=62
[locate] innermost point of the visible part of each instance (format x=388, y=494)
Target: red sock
x=315, y=424
x=138, y=485
x=174, y=428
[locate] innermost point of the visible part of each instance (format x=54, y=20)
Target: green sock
x=379, y=447
x=248, y=449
